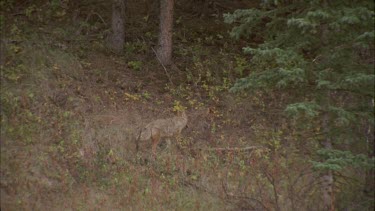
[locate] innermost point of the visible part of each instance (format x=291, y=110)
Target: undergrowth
x=71, y=114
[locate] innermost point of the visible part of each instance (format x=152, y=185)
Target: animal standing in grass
x=163, y=128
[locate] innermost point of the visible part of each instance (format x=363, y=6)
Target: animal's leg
x=168, y=140
x=155, y=137
x=154, y=145
x=137, y=141
x=137, y=145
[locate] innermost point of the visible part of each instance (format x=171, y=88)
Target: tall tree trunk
x=327, y=176
x=370, y=173
x=117, y=38
x=164, y=51
x=3, y=51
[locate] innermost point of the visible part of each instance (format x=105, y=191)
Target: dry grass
x=70, y=119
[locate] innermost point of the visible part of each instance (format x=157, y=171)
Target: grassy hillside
x=71, y=112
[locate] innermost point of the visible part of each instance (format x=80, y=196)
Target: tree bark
x=3, y=51
x=164, y=51
x=327, y=177
x=117, y=38
x=370, y=173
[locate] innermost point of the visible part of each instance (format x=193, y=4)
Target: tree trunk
x=327, y=183
x=164, y=51
x=117, y=38
x=3, y=51
x=370, y=173
x=327, y=177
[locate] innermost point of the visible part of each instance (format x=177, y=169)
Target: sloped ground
x=71, y=113
x=69, y=128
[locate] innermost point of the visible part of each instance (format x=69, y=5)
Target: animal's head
x=182, y=113
x=179, y=109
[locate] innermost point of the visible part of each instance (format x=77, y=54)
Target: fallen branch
x=165, y=69
x=234, y=148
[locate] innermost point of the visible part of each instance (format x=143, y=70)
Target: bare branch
x=165, y=69
x=234, y=148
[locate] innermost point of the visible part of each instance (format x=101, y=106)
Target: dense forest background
x=279, y=96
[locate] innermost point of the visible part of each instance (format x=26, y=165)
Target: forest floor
x=72, y=111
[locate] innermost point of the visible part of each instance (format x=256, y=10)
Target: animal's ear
x=181, y=113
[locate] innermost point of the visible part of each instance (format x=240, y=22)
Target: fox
x=162, y=128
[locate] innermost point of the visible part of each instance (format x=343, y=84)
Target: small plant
x=135, y=47
x=129, y=48
x=146, y=95
x=178, y=107
x=133, y=97
x=241, y=65
x=135, y=65
x=14, y=74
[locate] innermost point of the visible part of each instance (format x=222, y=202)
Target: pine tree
x=323, y=53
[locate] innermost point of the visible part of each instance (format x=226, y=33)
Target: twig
x=233, y=148
x=100, y=17
x=165, y=69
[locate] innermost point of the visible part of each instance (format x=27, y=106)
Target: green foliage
x=241, y=65
x=178, y=107
x=316, y=50
x=337, y=160
x=321, y=54
x=14, y=74
x=136, y=47
x=282, y=68
x=309, y=108
x=135, y=65
x=76, y=117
